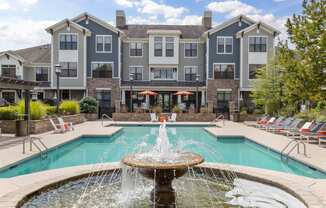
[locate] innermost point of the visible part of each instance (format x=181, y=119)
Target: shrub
x=69, y=107
x=321, y=118
x=176, y=109
x=50, y=110
x=8, y=113
x=157, y=109
x=204, y=109
x=88, y=105
x=37, y=109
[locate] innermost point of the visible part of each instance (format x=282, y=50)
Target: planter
x=21, y=128
x=131, y=117
x=91, y=116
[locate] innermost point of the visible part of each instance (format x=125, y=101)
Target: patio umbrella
x=148, y=92
x=183, y=93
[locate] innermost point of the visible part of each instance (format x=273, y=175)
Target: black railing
x=224, y=75
x=102, y=74
x=165, y=83
x=44, y=84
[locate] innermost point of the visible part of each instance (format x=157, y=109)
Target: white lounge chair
x=58, y=128
x=67, y=125
x=173, y=117
x=153, y=117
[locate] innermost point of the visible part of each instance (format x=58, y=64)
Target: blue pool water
x=90, y=150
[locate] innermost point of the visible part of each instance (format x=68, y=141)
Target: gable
x=241, y=18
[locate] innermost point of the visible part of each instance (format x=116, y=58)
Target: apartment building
x=114, y=63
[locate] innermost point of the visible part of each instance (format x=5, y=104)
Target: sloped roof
x=36, y=55
x=140, y=31
x=12, y=53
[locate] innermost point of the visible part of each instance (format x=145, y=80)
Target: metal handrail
x=106, y=116
x=220, y=117
x=297, y=145
x=32, y=142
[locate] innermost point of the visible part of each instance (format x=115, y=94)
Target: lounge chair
x=277, y=122
x=313, y=133
x=321, y=137
x=173, y=117
x=281, y=125
x=296, y=133
x=264, y=123
x=58, y=128
x=258, y=121
x=153, y=117
x=294, y=126
x=68, y=125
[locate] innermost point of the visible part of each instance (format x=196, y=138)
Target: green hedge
x=8, y=113
x=69, y=107
x=50, y=110
x=88, y=105
x=37, y=109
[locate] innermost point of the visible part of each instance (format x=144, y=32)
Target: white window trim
x=184, y=72
x=163, y=47
x=256, y=36
x=69, y=77
x=14, y=91
x=234, y=78
x=142, y=71
x=103, y=36
x=224, y=37
x=171, y=68
x=168, y=42
x=249, y=68
x=101, y=62
x=142, y=49
x=48, y=68
x=184, y=50
x=64, y=33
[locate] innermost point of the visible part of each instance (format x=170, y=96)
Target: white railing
x=297, y=145
x=107, y=117
x=219, y=118
x=32, y=142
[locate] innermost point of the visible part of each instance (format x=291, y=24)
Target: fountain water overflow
x=163, y=165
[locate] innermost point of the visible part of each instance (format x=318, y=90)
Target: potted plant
x=88, y=106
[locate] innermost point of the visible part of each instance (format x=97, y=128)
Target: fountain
x=163, y=165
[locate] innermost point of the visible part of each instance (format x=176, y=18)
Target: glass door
x=163, y=100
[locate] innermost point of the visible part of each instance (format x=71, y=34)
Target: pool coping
x=27, y=184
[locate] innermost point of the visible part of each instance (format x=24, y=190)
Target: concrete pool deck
x=316, y=155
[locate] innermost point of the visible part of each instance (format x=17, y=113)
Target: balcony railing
x=164, y=83
x=102, y=74
x=224, y=75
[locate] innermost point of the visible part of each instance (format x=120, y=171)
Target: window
x=223, y=99
x=136, y=49
x=191, y=49
x=257, y=44
x=8, y=71
x=253, y=69
x=164, y=73
x=102, y=70
x=103, y=43
x=9, y=96
x=190, y=73
x=169, y=44
x=224, y=71
x=68, y=41
x=224, y=45
x=68, y=69
x=137, y=71
x=158, y=46
x=42, y=74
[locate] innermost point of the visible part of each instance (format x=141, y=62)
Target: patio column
x=123, y=97
x=147, y=100
x=179, y=99
x=203, y=97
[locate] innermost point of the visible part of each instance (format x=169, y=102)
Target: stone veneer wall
x=131, y=117
x=39, y=126
x=213, y=85
x=113, y=84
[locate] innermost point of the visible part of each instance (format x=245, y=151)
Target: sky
x=23, y=22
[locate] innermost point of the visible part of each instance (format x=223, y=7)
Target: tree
x=305, y=67
x=268, y=87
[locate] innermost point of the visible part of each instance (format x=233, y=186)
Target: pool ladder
x=107, y=117
x=38, y=143
x=219, y=118
x=297, y=145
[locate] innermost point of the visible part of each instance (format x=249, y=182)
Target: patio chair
x=294, y=133
x=313, y=133
x=277, y=122
x=153, y=117
x=294, y=126
x=254, y=123
x=173, y=117
x=263, y=124
x=58, y=128
x=281, y=125
x=68, y=125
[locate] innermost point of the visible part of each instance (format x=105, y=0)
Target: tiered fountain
x=163, y=165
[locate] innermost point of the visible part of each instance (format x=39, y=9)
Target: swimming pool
x=91, y=150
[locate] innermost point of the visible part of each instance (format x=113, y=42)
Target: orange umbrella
x=183, y=93
x=148, y=92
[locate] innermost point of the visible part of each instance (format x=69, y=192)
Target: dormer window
x=158, y=46
x=103, y=43
x=169, y=43
x=68, y=41
x=8, y=71
x=257, y=44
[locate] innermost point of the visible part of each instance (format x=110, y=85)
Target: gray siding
x=198, y=61
x=225, y=58
x=92, y=56
x=246, y=83
x=67, y=83
x=134, y=61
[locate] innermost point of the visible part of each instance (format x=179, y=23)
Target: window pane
x=107, y=43
x=228, y=45
x=220, y=45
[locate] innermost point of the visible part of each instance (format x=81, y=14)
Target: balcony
x=224, y=75
x=168, y=83
x=44, y=84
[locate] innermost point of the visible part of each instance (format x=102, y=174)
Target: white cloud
x=4, y=5
x=232, y=8
x=125, y=3
x=20, y=33
x=24, y=5
x=27, y=2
